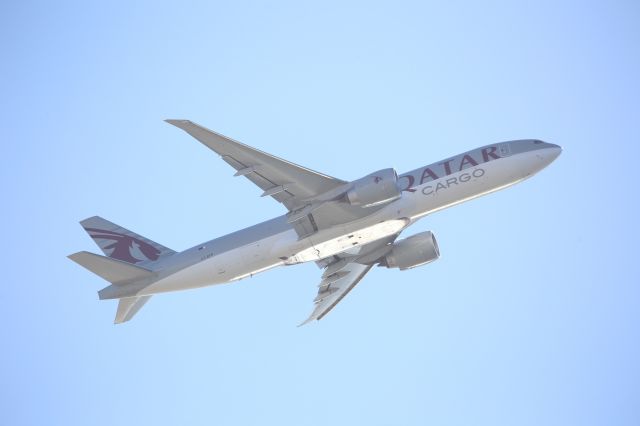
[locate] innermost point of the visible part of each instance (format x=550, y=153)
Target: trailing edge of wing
x=286, y=182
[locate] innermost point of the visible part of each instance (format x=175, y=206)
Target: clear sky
x=531, y=316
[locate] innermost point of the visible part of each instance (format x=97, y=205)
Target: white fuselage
x=276, y=243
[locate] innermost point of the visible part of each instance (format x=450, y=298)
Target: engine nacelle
x=377, y=188
x=416, y=250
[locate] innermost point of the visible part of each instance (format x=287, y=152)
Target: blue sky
x=531, y=315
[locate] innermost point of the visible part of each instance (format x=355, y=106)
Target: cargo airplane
x=345, y=227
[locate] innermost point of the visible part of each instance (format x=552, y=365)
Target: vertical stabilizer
x=121, y=244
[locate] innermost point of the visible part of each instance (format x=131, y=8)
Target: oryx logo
x=123, y=244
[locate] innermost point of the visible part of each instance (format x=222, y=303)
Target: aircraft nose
x=554, y=150
x=547, y=152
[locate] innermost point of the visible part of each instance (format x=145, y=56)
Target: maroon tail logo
x=122, y=245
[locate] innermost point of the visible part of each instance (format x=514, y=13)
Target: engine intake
x=380, y=187
x=416, y=250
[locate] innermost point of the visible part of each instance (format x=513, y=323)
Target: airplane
x=346, y=227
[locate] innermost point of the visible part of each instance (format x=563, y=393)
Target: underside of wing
x=342, y=273
x=334, y=288
x=288, y=183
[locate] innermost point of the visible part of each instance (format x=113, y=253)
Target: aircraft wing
x=286, y=182
x=343, y=273
x=333, y=289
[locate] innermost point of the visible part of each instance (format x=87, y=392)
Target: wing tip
x=307, y=321
x=78, y=256
x=178, y=122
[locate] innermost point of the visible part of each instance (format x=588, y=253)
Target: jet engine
x=413, y=251
x=380, y=187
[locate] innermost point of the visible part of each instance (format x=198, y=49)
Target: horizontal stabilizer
x=112, y=270
x=128, y=307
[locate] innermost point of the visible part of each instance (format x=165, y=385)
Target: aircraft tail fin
x=121, y=244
